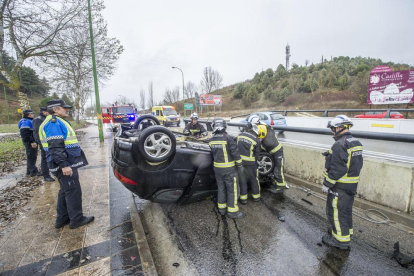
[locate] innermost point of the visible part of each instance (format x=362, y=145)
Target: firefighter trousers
x=228, y=190
x=339, y=213
x=251, y=174
x=278, y=170
x=69, y=203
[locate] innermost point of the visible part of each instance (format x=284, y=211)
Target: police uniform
x=272, y=145
x=194, y=129
x=62, y=150
x=226, y=156
x=26, y=132
x=36, y=125
x=343, y=165
x=249, y=149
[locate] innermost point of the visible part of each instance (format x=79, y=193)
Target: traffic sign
x=188, y=106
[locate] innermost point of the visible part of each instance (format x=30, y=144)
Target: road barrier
x=342, y=111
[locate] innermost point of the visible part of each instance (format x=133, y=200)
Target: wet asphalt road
x=261, y=244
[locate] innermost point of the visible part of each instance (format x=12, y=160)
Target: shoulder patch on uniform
x=54, y=119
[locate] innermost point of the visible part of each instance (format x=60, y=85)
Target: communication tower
x=287, y=56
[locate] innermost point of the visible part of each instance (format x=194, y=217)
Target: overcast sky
x=239, y=38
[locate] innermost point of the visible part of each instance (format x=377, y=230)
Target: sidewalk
x=32, y=246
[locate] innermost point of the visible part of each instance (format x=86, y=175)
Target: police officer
x=226, y=157
x=272, y=145
x=343, y=166
x=249, y=146
x=64, y=157
x=194, y=127
x=26, y=132
x=36, y=124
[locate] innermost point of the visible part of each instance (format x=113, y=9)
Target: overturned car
x=162, y=165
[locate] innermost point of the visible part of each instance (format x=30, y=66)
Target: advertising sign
x=390, y=87
x=207, y=99
x=188, y=106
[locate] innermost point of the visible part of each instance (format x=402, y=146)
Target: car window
x=261, y=116
x=369, y=113
x=265, y=117
x=158, y=113
x=395, y=113
x=276, y=116
x=106, y=110
x=379, y=112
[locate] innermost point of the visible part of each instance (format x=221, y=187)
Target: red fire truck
x=116, y=115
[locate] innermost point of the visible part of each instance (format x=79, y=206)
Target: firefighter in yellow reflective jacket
x=343, y=165
x=194, y=128
x=64, y=157
x=226, y=157
x=249, y=144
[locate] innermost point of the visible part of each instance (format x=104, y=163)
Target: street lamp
x=183, y=79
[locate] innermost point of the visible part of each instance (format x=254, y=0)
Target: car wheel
x=115, y=129
x=156, y=144
x=266, y=164
x=145, y=121
x=242, y=129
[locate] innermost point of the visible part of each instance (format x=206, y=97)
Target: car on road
x=268, y=117
x=380, y=115
x=162, y=165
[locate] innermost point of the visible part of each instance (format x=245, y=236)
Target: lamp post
x=183, y=79
x=95, y=77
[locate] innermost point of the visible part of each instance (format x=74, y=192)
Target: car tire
x=266, y=164
x=156, y=144
x=143, y=121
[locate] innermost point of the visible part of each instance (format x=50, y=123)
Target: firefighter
x=226, y=157
x=64, y=157
x=26, y=132
x=271, y=144
x=249, y=146
x=194, y=127
x=343, y=166
x=36, y=124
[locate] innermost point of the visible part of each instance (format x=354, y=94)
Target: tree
x=150, y=95
x=306, y=63
x=30, y=28
x=122, y=100
x=142, y=99
x=190, y=89
x=71, y=70
x=239, y=91
x=168, y=97
x=251, y=95
x=211, y=81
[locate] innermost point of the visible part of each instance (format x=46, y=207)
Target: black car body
x=183, y=174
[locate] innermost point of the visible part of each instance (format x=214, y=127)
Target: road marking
x=382, y=125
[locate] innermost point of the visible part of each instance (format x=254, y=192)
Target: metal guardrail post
x=388, y=114
x=325, y=114
x=285, y=113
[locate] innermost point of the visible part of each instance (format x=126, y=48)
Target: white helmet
x=340, y=121
x=253, y=119
x=194, y=116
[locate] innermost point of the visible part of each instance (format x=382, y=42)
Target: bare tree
x=176, y=94
x=306, y=62
x=142, y=99
x=190, y=89
x=29, y=28
x=150, y=95
x=211, y=81
x=123, y=100
x=168, y=97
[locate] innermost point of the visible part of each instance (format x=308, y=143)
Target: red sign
x=390, y=87
x=207, y=99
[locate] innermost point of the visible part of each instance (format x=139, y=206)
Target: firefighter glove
x=325, y=189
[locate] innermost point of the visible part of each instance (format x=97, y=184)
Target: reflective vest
x=71, y=141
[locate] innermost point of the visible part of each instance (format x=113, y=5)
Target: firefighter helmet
x=340, y=121
x=260, y=130
x=219, y=125
x=194, y=116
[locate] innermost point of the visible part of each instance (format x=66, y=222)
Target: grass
x=11, y=150
x=79, y=125
x=12, y=128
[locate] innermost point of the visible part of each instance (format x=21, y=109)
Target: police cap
x=43, y=108
x=57, y=102
x=27, y=111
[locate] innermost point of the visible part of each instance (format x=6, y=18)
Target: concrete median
x=387, y=183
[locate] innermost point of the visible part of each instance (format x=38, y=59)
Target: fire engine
x=116, y=115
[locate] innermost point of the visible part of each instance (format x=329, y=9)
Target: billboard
x=390, y=87
x=207, y=99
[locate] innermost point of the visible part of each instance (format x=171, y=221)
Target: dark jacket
x=249, y=147
x=194, y=129
x=61, y=145
x=344, y=163
x=36, y=125
x=26, y=130
x=225, y=152
x=270, y=143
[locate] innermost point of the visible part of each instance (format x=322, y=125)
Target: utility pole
x=95, y=77
x=7, y=105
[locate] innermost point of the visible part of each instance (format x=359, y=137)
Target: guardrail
x=326, y=111
x=398, y=137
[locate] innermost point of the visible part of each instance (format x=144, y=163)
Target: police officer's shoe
x=236, y=215
x=83, y=222
x=36, y=174
x=222, y=212
x=62, y=224
x=49, y=179
x=331, y=241
x=243, y=201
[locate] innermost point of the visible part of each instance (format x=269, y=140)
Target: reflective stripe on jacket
x=270, y=143
x=249, y=147
x=344, y=163
x=194, y=129
x=61, y=144
x=224, y=150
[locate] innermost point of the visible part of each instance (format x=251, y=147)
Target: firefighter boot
x=236, y=215
x=222, y=211
x=331, y=241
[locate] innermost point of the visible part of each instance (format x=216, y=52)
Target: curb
x=402, y=218
x=147, y=261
